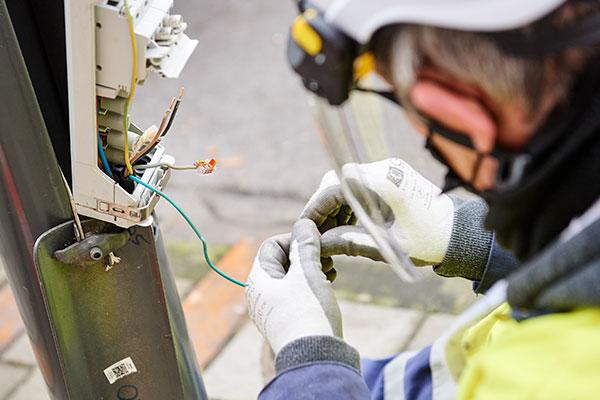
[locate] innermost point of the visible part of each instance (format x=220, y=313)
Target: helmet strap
x=453, y=180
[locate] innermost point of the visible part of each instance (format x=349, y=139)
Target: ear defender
x=322, y=55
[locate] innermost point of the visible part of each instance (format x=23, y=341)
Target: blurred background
x=245, y=107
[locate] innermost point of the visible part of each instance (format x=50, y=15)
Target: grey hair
x=477, y=60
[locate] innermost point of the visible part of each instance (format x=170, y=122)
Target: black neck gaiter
x=561, y=182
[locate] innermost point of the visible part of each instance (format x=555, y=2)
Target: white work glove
x=288, y=303
x=422, y=215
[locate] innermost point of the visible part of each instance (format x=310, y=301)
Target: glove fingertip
x=305, y=250
x=305, y=229
x=331, y=275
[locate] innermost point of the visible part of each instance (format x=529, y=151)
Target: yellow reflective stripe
x=363, y=65
x=305, y=36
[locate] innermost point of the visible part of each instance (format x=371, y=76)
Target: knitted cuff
x=316, y=348
x=470, y=244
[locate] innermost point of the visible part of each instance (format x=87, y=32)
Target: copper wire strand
x=203, y=166
x=161, y=129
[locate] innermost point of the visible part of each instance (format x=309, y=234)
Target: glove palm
x=412, y=207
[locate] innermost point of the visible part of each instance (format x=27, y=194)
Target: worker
x=507, y=96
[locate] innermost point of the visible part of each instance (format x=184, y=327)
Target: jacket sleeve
x=317, y=367
x=472, y=252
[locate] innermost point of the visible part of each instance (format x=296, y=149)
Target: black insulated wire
x=171, y=118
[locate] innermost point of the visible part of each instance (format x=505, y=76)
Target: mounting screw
x=314, y=86
x=320, y=59
x=96, y=253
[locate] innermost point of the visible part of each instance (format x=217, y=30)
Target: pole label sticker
x=120, y=369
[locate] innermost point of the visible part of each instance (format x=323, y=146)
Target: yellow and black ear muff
x=322, y=55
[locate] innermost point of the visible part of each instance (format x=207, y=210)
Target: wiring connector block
x=162, y=45
x=100, y=74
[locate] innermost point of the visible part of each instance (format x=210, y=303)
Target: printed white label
x=120, y=369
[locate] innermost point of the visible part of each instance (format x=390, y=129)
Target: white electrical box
x=99, y=65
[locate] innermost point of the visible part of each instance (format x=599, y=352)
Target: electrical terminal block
x=162, y=45
x=146, y=199
x=101, y=71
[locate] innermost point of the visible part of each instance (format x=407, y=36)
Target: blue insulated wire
x=103, y=157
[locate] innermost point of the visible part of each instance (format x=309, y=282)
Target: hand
x=289, y=303
x=349, y=240
x=422, y=215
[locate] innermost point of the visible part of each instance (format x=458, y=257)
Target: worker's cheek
x=463, y=162
x=460, y=158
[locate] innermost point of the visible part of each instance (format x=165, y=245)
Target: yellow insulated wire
x=128, y=166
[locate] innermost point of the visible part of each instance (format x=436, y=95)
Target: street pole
x=33, y=198
x=75, y=330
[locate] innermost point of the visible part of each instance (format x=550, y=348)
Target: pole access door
x=96, y=334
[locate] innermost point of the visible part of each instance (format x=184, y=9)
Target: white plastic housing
x=97, y=35
x=162, y=45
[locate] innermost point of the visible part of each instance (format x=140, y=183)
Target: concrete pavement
x=375, y=331
x=243, y=103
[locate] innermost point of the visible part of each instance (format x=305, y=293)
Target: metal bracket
x=93, y=249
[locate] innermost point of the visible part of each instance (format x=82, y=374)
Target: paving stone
x=20, y=352
x=430, y=330
x=374, y=330
x=10, y=377
x=33, y=388
x=236, y=373
x=377, y=331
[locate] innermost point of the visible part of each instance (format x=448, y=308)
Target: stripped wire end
x=205, y=167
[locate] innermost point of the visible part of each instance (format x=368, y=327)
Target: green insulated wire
x=191, y=224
